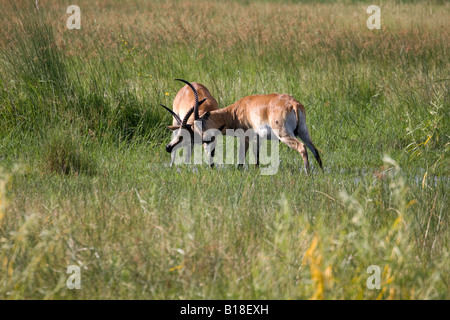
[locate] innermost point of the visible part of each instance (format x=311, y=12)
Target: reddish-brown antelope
x=183, y=108
x=271, y=116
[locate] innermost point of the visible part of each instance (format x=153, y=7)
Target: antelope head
x=184, y=131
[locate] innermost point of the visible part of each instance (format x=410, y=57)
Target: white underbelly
x=265, y=131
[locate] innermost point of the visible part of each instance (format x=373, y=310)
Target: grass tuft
x=64, y=153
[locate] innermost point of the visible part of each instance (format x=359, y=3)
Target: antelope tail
x=302, y=132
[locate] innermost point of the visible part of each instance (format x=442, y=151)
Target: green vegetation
x=84, y=177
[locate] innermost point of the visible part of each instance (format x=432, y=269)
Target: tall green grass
x=85, y=178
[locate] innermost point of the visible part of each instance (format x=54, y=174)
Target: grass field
x=84, y=176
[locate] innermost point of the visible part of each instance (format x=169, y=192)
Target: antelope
x=271, y=116
x=183, y=108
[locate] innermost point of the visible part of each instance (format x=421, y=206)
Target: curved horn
x=196, y=115
x=177, y=118
x=188, y=114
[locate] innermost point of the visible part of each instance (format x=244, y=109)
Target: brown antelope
x=271, y=116
x=183, y=109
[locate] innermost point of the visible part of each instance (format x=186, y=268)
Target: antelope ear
x=206, y=115
x=173, y=128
